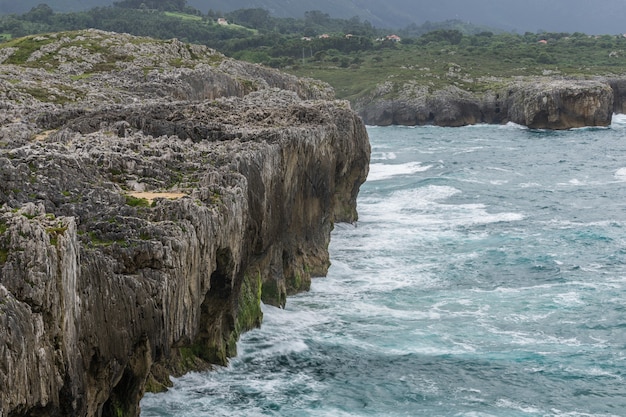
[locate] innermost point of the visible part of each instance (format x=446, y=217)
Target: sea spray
x=486, y=277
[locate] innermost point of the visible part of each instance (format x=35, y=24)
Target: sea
x=486, y=276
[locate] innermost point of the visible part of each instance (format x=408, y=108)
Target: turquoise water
x=485, y=277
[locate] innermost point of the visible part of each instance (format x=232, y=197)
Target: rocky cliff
x=151, y=195
x=540, y=103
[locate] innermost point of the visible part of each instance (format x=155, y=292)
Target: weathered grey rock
x=105, y=291
x=619, y=94
x=561, y=104
x=545, y=103
x=448, y=107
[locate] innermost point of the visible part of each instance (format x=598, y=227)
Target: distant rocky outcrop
x=541, y=103
x=561, y=104
x=152, y=193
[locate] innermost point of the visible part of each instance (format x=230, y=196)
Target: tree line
x=255, y=35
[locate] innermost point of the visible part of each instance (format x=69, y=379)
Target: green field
x=351, y=55
x=468, y=65
x=184, y=16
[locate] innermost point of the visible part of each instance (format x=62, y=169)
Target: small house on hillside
x=222, y=21
x=393, y=38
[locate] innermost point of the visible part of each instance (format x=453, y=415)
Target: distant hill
x=18, y=7
x=593, y=17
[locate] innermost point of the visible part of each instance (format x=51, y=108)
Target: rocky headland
x=536, y=102
x=152, y=193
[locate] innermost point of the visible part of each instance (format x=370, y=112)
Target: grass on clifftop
x=100, y=51
x=353, y=57
x=473, y=64
x=28, y=46
x=183, y=16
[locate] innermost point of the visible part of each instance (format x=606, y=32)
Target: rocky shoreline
x=152, y=194
x=538, y=103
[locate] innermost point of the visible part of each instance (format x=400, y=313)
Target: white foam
x=385, y=171
x=424, y=210
x=384, y=156
x=499, y=169
x=511, y=125
x=620, y=175
x=569, y=224
x=619, y=120
x=506, y=403
x=430, y=193
x=477, y=414
x=559, y=413
x=527, y=338
x=568, y=299
x=292, y=319
x=373, y=310
x=530, y=185
x=469, y=149
x=595, y=371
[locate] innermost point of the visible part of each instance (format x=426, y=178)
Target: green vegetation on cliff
x=473, y=63
x=351, y=55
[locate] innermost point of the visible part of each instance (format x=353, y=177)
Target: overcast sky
x=588, y=16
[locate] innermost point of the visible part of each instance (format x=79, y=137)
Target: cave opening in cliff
x=221, y=278
x=119, y=402
x=216, y=312
x=124, y=398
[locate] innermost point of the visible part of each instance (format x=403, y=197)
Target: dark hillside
x=606, y=17
x=12, y=6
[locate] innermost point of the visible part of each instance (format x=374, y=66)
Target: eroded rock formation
x=149, y=200
x=541, y=103
x=561, y=104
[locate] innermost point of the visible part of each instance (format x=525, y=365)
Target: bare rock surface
x=541, y=103
x=561, y=104
x=151, y=195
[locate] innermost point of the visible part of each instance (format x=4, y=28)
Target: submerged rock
x=148, y=205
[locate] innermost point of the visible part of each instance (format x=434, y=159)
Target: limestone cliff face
x=449, y=107
x=618, y=85
x=543, y=103
x=561, y=104
x=146, y=211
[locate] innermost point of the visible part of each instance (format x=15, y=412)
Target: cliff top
x=99, y=89
x=92, y=68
